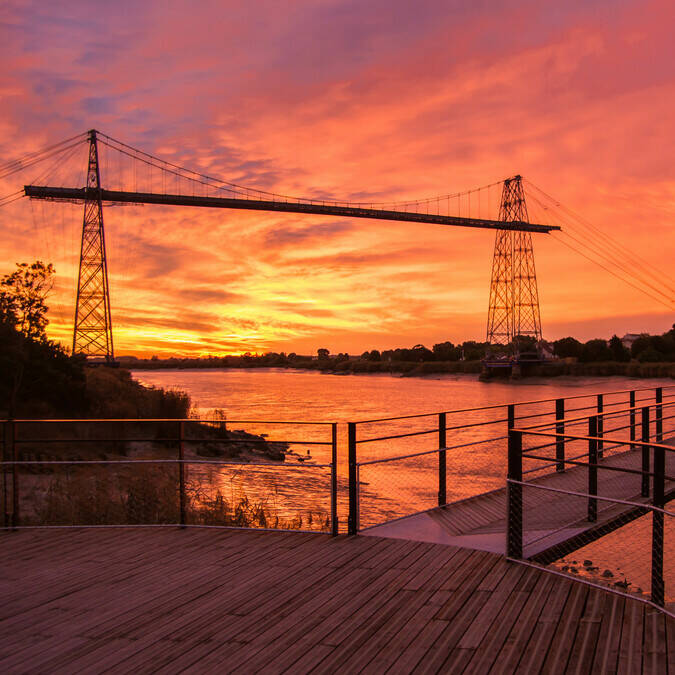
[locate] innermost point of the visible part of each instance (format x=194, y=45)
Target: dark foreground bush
x=112, y=393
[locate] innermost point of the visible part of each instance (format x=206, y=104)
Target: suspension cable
x=631, y=255
x=612, y=272
x=613, y=259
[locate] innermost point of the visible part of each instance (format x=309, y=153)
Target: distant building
x=546, y=350
x=628, y=339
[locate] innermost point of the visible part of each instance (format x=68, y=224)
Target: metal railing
x=49, y=462
x=455, y=437
x=615, y=481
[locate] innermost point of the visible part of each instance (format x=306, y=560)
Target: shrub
x=112, y=393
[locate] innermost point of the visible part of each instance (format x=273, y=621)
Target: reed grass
x=149, y=495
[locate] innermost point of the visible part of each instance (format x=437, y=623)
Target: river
x=275, y=393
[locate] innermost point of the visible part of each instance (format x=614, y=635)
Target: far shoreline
x=535, y=378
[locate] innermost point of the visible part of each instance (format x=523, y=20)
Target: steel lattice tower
x=92, y=335
x=514, y=300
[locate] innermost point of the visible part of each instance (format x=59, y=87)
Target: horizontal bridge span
x=80, y=194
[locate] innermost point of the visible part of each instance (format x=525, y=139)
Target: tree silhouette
x=22, y=298
x=37, y=376
x=619, y=352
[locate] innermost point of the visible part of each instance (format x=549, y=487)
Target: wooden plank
x=384, y=627
x=469, y=559
x=519, y=635
x=494, y=637
x=670, y=644
x=630, y=648
x=398, y=633
x=537, y=647
x=434, y=658
x=390, y=650
x=607, y=648
x=331, y=603
x=313, y=657
x=568, y=625
x=585, y=642
x=206, y=625
x=484, y=619
x=117, y=655
x=458, y=660
x=77, y=583
x=655, y=654
x=471, y=575
x=349, y=622
x=295, y=626
x=495, y=575
x=410, y=558
x=144, y=616
x=434, y=567
x=410, y=657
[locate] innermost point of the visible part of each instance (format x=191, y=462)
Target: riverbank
x=115, y=402
x=552, y=369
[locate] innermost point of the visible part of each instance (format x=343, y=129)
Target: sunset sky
x=382, y=100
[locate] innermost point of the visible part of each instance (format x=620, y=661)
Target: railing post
x=333, y=481
x=514, y=514
x=632, y=417
x=353, y=518
x=658, y=415
x=560, y=430
x=601, y=424
x=645, y=451
x=5, y=458
x=181, y=472
x=442, y=473
x=592, y=468
x=658, y=589
x=511, y=415
x=15, y=474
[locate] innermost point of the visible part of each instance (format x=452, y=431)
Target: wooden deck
x=169, y=600
x=551, y=521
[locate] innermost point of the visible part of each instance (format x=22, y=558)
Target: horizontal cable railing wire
x=152, y=488
x=395, y=458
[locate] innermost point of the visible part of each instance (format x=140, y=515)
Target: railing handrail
x=602, y=414
x=516, y=403
x=136, y=460
x=130, y=420
x=606, y=439
x=169, y=439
